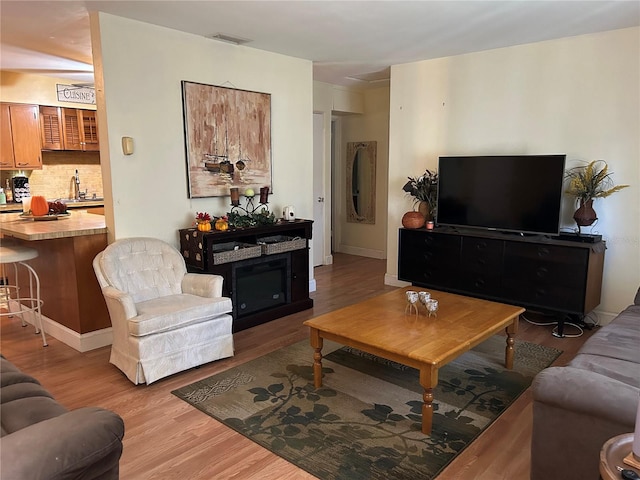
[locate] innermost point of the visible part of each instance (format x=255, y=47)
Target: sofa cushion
x=175, y=311
x=22, y=390
x=614, y=368
x=618, y=340
x=13, y=376
x=23, y=412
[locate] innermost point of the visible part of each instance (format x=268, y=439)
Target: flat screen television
x=511, y=193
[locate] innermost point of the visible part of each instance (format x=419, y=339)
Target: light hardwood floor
x=165, y=438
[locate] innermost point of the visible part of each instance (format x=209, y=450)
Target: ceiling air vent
x=223, y=37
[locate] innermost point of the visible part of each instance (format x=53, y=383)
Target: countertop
x=17, y=207
x=77, y=224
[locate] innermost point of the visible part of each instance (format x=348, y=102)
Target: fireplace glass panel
x=261, y=284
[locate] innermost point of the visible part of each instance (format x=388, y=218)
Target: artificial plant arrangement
x=424, y=190
x=586, y=183
x=591, y=181
x=250, y=219
x=203, y=221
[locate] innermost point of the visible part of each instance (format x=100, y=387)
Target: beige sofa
x=578, y=407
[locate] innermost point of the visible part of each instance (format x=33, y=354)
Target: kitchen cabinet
x=6, y=139
x=80, y=129
x=69, y=129
x=51, y=128
x=21, y=144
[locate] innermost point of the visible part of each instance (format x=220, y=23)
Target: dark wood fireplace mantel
x=197, y=250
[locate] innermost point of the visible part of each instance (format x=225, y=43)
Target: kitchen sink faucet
x=77, y=185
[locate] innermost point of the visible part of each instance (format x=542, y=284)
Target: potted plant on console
x=424, y=190
x=587, y=183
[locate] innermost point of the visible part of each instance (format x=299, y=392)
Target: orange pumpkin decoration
x=204, y=226
x=222, y=225
x=39, y=206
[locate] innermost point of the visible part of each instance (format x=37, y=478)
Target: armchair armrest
x=119, y=303
x=83, y=443
x=203, y=285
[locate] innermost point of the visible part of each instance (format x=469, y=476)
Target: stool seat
x=17, y=255
x=14, y=253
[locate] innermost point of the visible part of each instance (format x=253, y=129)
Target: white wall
x=139, y=68
x=578, y=96
x=373, y=125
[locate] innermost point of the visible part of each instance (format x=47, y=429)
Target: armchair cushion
x=175, y=311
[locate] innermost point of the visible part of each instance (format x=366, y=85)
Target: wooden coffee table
x=383, y=327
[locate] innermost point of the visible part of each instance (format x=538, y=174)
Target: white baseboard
x=82, y=342
x=394, y=282
x=362, y=252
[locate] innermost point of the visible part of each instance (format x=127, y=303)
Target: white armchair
x=164, y=319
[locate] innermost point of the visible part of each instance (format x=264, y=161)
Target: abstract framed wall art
x=227, y=139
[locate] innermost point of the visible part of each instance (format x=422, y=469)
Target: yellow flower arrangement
x=591, y=181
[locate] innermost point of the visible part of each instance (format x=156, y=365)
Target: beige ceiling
x=350, y=42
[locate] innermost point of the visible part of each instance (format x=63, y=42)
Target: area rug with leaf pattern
x=365, y=422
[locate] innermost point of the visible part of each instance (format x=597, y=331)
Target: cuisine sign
x=76, y=94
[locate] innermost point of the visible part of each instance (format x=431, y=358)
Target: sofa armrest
x=636, y=300
x=119, y=303
x=203, y=285
x=575, y=412
x=83, y=443
x=588, y=393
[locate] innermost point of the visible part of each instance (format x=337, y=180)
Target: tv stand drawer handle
x=542, y=252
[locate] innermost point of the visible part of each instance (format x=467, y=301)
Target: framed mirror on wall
x=361, y=182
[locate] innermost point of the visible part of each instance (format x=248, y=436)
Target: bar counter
x=77, y=224
x=66, y=249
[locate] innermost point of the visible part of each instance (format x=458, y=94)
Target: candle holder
x=264, y=195
x=235, y=196
x=250, y=208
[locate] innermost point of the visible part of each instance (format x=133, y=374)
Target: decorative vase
x=585, y=215
x=413, y=220
x=423, y=208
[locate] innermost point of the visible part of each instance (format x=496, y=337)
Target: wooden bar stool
x=17, y=256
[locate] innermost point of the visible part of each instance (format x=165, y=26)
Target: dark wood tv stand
x=197, y=250
x=536, y=272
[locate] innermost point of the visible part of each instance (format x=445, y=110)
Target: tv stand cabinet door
x=429, y=259
x=546, y=276
x=480, y=266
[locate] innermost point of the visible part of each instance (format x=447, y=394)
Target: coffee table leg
x=316, y=343
x=429, y=381
x=508, y=354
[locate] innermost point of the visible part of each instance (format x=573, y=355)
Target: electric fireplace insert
x=260, y=284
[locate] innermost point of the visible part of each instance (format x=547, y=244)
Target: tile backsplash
x=56, y=178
